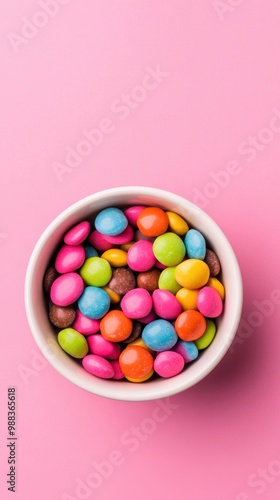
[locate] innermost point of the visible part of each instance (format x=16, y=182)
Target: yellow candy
x=116, y=257
x=177, y=224
x=215, y=283
x=126, y=246
x=143, y=379
x=140, y=342
x=187, y=298
x=114, y=297
x=192, y=273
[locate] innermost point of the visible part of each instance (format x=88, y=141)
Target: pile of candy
x=136, y=296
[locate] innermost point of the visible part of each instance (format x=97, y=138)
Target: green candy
x=96, y=271
x=73, y=342
x=167, y=280
x=208, y=335
x=169, y=249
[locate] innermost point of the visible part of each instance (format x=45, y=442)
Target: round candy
x=62, y=317
x=148, y=280
x=99, y=345
x=136, y=362
x=136, y=332
x=167, y=280
x=69, y=258
x=195, y=244
x=208, y=335
x=169, y=249
x=98, y=241
x=215, y=283
x=66, y=289
x=188, y=350
x=114, y=297
x=209, y=302
x=212, y=262
x=148, y=318
x=77, y=234
x=96, y=271
x=159, y=335
x=94, y=302
x=132, y=213
x=85, y=325
x=177, y=224
x=98, y=366
x=115, y=326
x=73, y=343
x=123, y=280
x=152, y=221
x=90, y=251
x=165, y=304
x=110, y=221
x=137, y=303
x=118, y=374
x=168, y=364
x=187, y=298
x=192, y=273
x=116, y=257
x=140, y=256
x=190, y=325
x=140, y=342
x=141, y=379
x=50, y=276
x=121, y=239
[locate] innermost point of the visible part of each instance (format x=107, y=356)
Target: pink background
x=213, y=106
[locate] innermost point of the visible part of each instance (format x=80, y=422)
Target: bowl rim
x=150, y=390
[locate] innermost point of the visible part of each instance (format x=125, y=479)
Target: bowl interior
x=45, y=336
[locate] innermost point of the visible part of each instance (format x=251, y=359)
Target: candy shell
x=98, y=241
x=118, y=374
x=165, y=305
x=121, y=239
x=96, y=271
x=132, y=213
x=98, y=366
x=190, y=325
x=85, y=325
x=140, y=256
x=66, y=289
x=195, y=244
x=192, y=273
x=62, y=317
x=188, y=350
x=136, y=303
x=99, y=345
x=69, y=258
x=94, y=302
x=187, y=298
x=167, y=280
x=148, y=280
x=208, y=335
x=213, y=262
x=136, y=362
x=168, y=364
x=169, y=249
x=159, y=335
x=77, y=234
x=123, y=280
x=177, y=224
x=110, y=221
x=152, y=221
x=73, y=343
x=115, y=256
x=115, y=326
x=50, y=276
x=209, y=302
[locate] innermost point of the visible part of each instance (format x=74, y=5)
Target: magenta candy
x=77, y=234
x=98, y=366
x=137, y=303
x=98, y=345
x=148, y=318
x=85, y=325
x=140, y=256
x=132, y=213
x=165, y=304
x=168, y=364
x=120, y=239
x=209, y=302
x=118, y=374
x=66, y=289
x=69, y=258
x=97, y=240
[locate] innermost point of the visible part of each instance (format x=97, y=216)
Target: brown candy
x=212, y=261
x=50, y=275
x=136, y=332
x=62, y=317
x=148, y=280
x=122, y=281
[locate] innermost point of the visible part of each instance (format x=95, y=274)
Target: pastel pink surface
x=207, y=127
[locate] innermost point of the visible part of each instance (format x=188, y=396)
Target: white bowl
x=45, y=335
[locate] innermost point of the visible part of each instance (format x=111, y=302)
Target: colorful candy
x=135, y=294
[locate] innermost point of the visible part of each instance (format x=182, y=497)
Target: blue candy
x=90, y=251
x=188, y=350
x=111, y=221
x=94, y=302
x=159, y=335
x=195, y=244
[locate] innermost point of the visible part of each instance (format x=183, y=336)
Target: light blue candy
x=111, y=221
x=159, y=335
x=90, y=251
x=94, y=302
x=188, y=350
x=195, y=244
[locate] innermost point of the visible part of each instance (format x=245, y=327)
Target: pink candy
x=209, y=302
x=69, y=258
x=98, y=345
x=66, y=289
x=85, y=325
x=77, y=234
x=132, y=213
x=140, y=256
x=122, y=238
x=168, y=364
x=165, y=304
x=137, y=303
x=98, y=241
x=98, y=366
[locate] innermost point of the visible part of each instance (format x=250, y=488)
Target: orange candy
x=152, y=221
x=136, y=363
x=115, y=326
x=190, y=325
